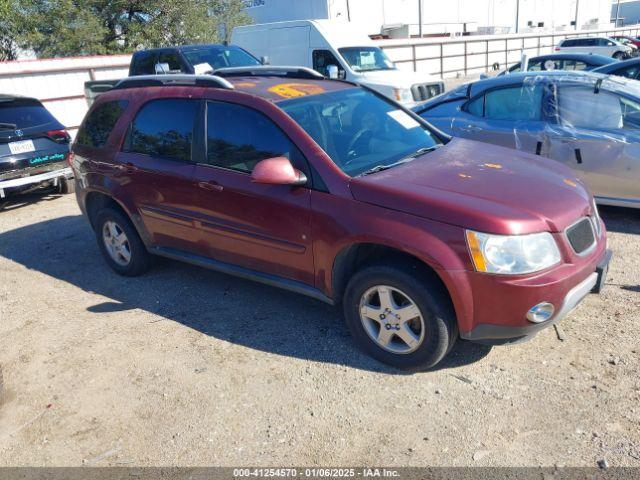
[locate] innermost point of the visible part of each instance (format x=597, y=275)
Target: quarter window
x=164, y=128
x=239, y=137
x=99, y=124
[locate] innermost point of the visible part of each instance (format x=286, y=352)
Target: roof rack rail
x=268, y=71
x=173, y=80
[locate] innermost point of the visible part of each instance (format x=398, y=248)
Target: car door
x=154, y=170
x=510, y=116
x=598, y=135
x=260, y=227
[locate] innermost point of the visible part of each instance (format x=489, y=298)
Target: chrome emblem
x=19, y=133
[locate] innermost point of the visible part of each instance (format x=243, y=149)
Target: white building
x=442, y=16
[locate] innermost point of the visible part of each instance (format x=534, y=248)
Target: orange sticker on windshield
x=570, y=183
x=292, y=90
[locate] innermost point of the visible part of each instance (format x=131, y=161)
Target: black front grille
x=425, y=91
x=581, y=236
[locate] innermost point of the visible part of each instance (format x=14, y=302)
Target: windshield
x=360, y=130
x=366, y=59
x=221, y=57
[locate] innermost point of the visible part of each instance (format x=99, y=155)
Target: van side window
x=164, y=128
x=239, y=137
x=322, y=59
x=97, y=127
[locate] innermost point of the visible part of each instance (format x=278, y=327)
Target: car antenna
x=598, y=84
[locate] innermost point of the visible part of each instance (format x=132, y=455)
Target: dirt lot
x=189, y=367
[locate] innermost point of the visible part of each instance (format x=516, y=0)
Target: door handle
x=211, y=185
x=128, y=167
x=470, y=128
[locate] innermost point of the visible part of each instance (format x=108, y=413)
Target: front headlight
x=512, y=254
x=403, y=95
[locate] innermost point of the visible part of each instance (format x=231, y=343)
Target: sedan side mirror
x=264, y=60
x=277, y=171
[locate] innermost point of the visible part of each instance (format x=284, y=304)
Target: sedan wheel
x=392, y=319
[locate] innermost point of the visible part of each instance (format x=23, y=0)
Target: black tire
x=140, y=259
x=619, y=56
x=66, y=185
x=427, y=293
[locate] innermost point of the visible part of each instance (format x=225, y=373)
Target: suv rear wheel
x=120, y=244
x=400, y=316
x=619, y=55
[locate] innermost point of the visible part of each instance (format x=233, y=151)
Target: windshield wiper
x=8, y=126
x=407, y=159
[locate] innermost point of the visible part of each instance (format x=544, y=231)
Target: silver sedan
x=587, y=121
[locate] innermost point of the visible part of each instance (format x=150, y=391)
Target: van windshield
x=220, y=57
x=366, y=59
x=361, y=131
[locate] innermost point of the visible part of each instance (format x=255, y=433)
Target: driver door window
x=322, y=59
x=239, y=137
x=511, y=103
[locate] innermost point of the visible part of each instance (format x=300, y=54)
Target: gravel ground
x=189, y=367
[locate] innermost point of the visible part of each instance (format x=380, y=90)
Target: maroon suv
x=329, y=189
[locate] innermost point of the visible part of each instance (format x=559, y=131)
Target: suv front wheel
x=400, y=316
x=120, y=243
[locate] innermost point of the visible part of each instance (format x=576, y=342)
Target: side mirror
x=332, y=71
x=277, y=171
x=264, y=60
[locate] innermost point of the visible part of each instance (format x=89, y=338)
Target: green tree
x=10, y=26
x=55, y=28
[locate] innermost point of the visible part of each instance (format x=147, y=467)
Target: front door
x=260, y=227
x=509, y=116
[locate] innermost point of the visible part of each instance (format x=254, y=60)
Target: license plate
x=23, y=146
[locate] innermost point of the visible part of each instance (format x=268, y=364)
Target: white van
x=337, y=50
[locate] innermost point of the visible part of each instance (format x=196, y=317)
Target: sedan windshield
x=361, y=131
x=366, y=59
x=221, y=57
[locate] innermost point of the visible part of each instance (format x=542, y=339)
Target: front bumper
x=497, y=334
x=34, y=179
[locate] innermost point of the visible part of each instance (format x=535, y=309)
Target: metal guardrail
x=489, y=50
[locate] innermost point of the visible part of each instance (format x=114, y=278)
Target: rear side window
x=169, y=62
x=24, y=113
x=569, y=43
x=239, y=137
x=99, y=123
x=143, y=63
x=164, y=128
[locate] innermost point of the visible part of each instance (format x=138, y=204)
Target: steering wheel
x=359, y=144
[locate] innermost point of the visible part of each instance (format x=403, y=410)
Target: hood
x=482, y=187
x=396, y=78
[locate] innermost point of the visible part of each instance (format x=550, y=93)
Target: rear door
x=598, y=135
x=31, y=139
x=155, y=169
x=260, y=227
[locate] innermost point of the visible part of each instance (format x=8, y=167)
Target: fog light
x=540, y=313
